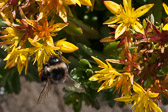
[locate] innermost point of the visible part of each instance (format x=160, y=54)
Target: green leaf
x=87, y=52
x=89, y=72
x=152, y=19
x=73, y=29
x=94, y=85
x=77, y=105
x=75, y=99
x=74, y=74
x=91, y=101
x=74, y=62
x=84, y=63
x=12, y=81
x=111, y=49
x=88, y=32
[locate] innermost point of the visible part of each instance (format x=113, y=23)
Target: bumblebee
x=55, y=71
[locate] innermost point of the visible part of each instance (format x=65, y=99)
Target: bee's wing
x=45, y=91
x=72, y=85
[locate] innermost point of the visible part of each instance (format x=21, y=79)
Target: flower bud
x=66, y=47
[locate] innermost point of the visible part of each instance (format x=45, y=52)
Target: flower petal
x=50, y=41
x=114, y=61
x=76, y=1
x=112, y=7
x=5, y=18
x=69, y=2
x=165, y=8
x=101, y=64
x=138, y=27
x=59, y=26
x=165, y=27
x=96, y=77
x=137, y=88
x=36, y=44
x=107, y=39
x=143, y=9
x=154, y=106
x=120, y=30
x=19, y=67
x=86, y=2
x=153, y=95
x=124, y=98
x=127, y=5
x=63, y=14
x=112, y=20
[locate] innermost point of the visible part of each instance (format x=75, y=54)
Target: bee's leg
x=44, y=73
x=43, y=76
x=45, y=65
x=67, y=65
x=59, y=54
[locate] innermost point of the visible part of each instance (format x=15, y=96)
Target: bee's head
x=54, y=60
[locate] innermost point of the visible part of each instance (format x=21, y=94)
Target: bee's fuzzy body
x=56, y=70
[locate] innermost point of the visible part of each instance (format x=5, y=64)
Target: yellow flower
x=126, y=16
x=111, y=78
x=166, y=10
x=143, y=100
x=11, y=37
x=107, y=74
x=7, y=20
x=60, y=7
x=3, y=2
x=42, y=53
x=9, y=7
x=124, y=83
x=45, y=30
x=17, y=57
x=66, y=47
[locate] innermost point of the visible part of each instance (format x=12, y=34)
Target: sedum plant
x=126, y=39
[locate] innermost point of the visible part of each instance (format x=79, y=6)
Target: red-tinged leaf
x=13, y=2
x=148, y=27
x=134, y=57
x=24, y=23
x=107, y=39
x=128, y=68
x=139, y=36
x=129, y=56
x=136, y=65
x=155, y=30
x=121, y=43
x=122, y=61
x=155, y=39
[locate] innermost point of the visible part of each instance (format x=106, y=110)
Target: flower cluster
x=32, y=32
x=141, y=45
x=35, y=34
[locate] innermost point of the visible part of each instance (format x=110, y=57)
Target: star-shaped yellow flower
x=111, y=78
x=44, y=30
x=60, y=7
x=42, y=52
x=108, y=74
x=144, y=101
x=126, y=16
x=18, y=57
